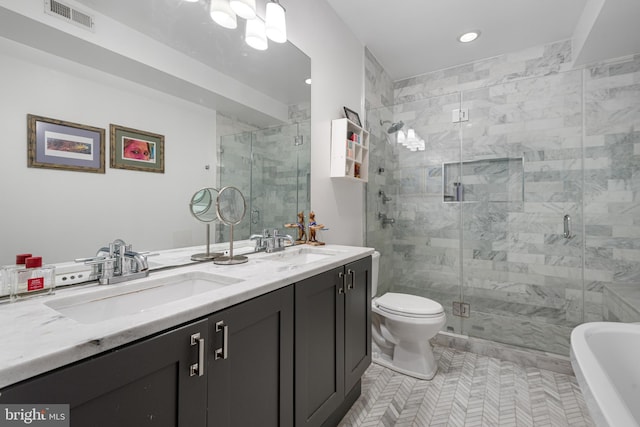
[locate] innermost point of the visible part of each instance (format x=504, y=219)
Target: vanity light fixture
x=275, y=23
x=244, y=8
x=222, y=14
x=225, y=13
x=255, y=35
x=469, y=36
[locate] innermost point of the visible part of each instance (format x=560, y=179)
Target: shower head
x=395, y=127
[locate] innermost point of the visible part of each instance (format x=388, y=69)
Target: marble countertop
x=36, y=338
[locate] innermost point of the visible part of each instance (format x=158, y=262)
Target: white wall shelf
x=349, y=151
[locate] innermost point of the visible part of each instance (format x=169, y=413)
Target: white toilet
x=402, y=326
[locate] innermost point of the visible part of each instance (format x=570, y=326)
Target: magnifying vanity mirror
x=203, y=208
x=230, y=208
x=179, y=75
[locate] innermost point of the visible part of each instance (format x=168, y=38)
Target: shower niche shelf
x=484, y=180
x=349, y=151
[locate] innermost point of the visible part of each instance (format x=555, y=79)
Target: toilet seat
x=408, y=305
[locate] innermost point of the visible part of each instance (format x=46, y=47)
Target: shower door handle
x=567, y=227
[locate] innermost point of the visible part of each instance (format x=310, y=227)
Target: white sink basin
x=296, y=256
x=606, y=360
x=130, y=298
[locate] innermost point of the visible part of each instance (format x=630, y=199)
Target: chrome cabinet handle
x=341, y=288
x=353, y=279
x=222, y=352
x=197, y=368
x=567, y=226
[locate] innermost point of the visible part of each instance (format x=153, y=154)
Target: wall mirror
x=109, y=75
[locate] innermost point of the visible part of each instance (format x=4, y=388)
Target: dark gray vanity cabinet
x=357, y=325
x=332, y=342
x=149, y=383
x=250, y=363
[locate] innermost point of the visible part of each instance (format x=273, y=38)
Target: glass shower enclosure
x=488, y=209
x=271, y=168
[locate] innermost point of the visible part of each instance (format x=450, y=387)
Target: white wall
x=337, y=71
x=63, y=215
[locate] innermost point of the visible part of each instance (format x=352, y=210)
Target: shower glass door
x=271, y=168
x=279, y=176
x=421, y=249
x=520, y=194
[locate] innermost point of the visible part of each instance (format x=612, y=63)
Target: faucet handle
x=282, y=238
x=102, y=268
x=90, y=259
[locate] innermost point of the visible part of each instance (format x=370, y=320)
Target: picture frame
x=352, y=116
x=135, y=149
x=62, y=145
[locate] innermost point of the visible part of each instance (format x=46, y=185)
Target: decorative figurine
x=302, y=233
x=313, y=228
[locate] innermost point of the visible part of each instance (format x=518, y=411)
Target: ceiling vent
x=69, y=14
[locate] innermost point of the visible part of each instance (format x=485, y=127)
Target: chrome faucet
x=261, y=240
x=117, y=263
x=271, y=242
x=277, y=240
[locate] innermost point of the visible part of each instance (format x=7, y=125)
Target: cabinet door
x=143, y=384
x=357, y=331
x=251, y=363
x=319, y=344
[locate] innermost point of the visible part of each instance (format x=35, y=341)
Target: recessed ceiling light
x=468, y=37
x=308, y=81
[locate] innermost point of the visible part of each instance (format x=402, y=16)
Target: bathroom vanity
x=296, y=323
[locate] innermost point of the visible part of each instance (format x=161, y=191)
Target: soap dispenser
x=5, y=275
x=34, y=279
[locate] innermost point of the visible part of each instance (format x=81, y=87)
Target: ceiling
x=413, y=37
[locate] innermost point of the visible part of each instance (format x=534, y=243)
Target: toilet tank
x=375, y=265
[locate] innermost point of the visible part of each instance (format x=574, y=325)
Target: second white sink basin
x=300, y=255
x=130, y=298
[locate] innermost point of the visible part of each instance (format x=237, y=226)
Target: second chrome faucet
x=271, y=242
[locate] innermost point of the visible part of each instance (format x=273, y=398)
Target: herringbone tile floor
x=469, y=390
